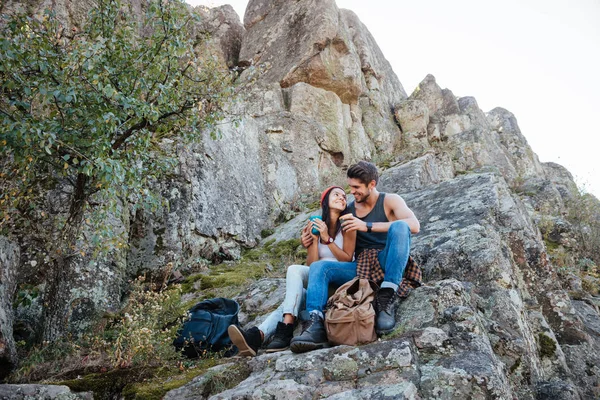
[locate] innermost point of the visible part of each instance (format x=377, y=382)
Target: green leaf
x=89, y=91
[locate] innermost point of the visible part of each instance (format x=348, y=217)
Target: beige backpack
x=350, y=316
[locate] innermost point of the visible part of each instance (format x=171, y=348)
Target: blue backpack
x=206, y=329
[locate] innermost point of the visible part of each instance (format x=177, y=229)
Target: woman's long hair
x=325, y=215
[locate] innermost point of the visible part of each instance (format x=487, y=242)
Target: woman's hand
x=307, y=238
x=322, y=228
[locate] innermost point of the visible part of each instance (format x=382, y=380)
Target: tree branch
x=143, y=124
x=62, y=117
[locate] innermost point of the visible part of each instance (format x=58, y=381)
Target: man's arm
x=396, y=210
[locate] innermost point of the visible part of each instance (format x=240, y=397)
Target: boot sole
x=303, y=347
x=277, y=350
x=384, y=332
x=237, y=338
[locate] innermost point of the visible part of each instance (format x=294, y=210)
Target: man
x=383, y=223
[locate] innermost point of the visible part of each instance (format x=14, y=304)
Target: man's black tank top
x=373, y=240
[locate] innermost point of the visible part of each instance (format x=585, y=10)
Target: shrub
x=143, y=334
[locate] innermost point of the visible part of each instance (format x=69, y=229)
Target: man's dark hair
x=364, y=171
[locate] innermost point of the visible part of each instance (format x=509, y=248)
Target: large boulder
x=381, y=91
x=433, y=118
x=475, y=230
x=561, y=178
x=302, y=41
x=225, y=32
x=416, y=174
x=316, y=43
x=514, y=144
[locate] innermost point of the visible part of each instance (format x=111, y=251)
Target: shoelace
x=383, y=302
x=309, y=322
x=306, y=324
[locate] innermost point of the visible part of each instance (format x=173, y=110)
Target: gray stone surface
x=302, y=41
x=225, y=29
x=561, y=178
x=9, y=263
x=400, y=391
x=259, y=300
x=195, y=389
x=492, y=321
x=458, y=360
x=41, y=392
x=416, y=174
x=71, y=14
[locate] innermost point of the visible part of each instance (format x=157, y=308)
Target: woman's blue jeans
x=393, y=259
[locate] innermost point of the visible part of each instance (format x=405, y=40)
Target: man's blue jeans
x=393, y=259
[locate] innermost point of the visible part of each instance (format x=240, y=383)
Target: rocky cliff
x=504, y=314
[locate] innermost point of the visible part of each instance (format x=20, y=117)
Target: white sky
x=539, y=59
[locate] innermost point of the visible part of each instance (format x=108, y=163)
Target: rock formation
x=322, y=99
x=496, y=318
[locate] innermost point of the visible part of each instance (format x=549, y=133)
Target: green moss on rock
x=515, y=366
x=314, y=206
x=224, y=275
x=341, y=369
x=590, y=286
x=266, y=233
x=286, y=247
x=547, y=346
x=225, y=379
x=269, y=243
x=168, y=379
x=108, y=385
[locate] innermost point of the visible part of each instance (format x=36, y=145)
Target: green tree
x=88, y=112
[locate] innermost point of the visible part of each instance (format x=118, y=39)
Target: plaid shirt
x=368, y=267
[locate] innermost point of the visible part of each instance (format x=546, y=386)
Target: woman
x=331, y=244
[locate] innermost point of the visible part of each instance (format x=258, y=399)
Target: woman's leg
x=268, y=326
x=295, y=281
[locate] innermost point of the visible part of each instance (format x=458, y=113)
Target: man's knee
x=399, y=228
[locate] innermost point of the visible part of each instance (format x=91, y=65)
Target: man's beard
x=364, y=198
